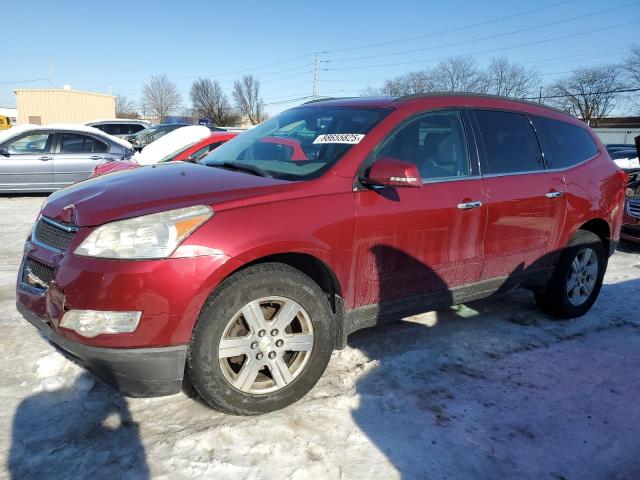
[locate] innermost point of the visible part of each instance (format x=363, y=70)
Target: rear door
x=526, y=204
x=76, y=156
x=29, y=165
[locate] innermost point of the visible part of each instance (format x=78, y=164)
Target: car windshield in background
x=298, y=144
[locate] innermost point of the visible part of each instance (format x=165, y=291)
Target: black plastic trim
x=136, y=372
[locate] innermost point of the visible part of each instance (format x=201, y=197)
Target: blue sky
x=98, y=45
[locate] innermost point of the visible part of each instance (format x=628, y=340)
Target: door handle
x=554, y=194
x=96, y=157
x=44, y=158
x=470, y=205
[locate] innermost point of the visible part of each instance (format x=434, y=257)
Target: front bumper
x=137, y=372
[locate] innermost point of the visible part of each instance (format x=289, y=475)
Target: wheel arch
x=319, y=271
x=601, y=228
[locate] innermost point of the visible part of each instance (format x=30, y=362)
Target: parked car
x=631, y=221
x=120, y=127
x=613, y=147
x=625, y=158
x=151, y=134
x=46, y=158
x=191, y=152
x=245, y=271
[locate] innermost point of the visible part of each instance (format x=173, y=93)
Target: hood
x=153, y=189
x=171, y=143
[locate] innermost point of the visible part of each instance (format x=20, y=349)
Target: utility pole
x=50, y=72
x=314, y=93
x=540, y=96
x=110, y=90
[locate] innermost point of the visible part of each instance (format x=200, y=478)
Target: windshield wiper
x=243, y=167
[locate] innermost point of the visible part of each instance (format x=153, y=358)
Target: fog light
x=90, y=323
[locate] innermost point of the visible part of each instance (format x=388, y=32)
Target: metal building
x=55, y=105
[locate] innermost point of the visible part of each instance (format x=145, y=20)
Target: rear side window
x=510, y=142
x=76, y=143
x=564, y=144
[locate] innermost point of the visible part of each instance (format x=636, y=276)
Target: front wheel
x=262, y=341
x=576, y=282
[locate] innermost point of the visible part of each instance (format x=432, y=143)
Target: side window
x=510, y=142
x=76, y=143
x=135, y=128
x=34, y=143
x=434, y=142
x=564, y=144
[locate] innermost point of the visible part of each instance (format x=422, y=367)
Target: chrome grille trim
x=633, y=207
x=53, y=235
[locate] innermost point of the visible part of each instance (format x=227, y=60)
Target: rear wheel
x=577, y=280
x=262, y=340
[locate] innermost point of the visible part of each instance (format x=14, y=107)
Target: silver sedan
x=44, y=159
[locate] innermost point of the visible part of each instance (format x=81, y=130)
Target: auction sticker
x=350, y=138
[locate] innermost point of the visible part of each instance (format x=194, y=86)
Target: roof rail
x=323, y=99
x=477, y=95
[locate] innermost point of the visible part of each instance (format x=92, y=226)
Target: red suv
x=245, y=271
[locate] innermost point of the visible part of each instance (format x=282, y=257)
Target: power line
x=450, y=30
x=604, y=92
x=479, y=39
x=492, y=50
x=25, y=81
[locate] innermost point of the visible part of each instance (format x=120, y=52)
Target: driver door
x=421, y=242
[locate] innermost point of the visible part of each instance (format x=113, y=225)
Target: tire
x=560, y=298
x=234, y=338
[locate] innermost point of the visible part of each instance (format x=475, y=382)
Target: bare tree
x=125, y=108
x=509, y=79
x=587, y=93
x=210, y=101
x=160, y=97
x=631, y=71
x=246, y=93
x=631, y=67
x=458, y=74
x=412, y=83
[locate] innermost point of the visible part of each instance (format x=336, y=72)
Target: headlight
x=150, y=236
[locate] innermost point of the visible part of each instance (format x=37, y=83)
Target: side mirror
x=391, y=172
x=4, y=151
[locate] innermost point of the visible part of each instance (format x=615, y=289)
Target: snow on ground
x=171, y=143
x=492, y=389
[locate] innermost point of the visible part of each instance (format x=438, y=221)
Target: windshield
x=298, y=144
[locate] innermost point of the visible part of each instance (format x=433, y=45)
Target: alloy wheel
x=266, y=345
x=583, y=275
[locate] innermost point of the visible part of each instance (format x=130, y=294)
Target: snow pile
x=172, y=142
x=627, y=163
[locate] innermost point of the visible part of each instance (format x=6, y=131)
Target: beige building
x=55, y=105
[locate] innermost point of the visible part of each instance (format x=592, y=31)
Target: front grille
x=633, y=207
x=36, y=274
x=53, y=234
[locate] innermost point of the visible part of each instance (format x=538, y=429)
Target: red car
x=191, y=153
x=247, y=270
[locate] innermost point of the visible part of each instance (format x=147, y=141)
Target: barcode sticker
x=349, y=138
